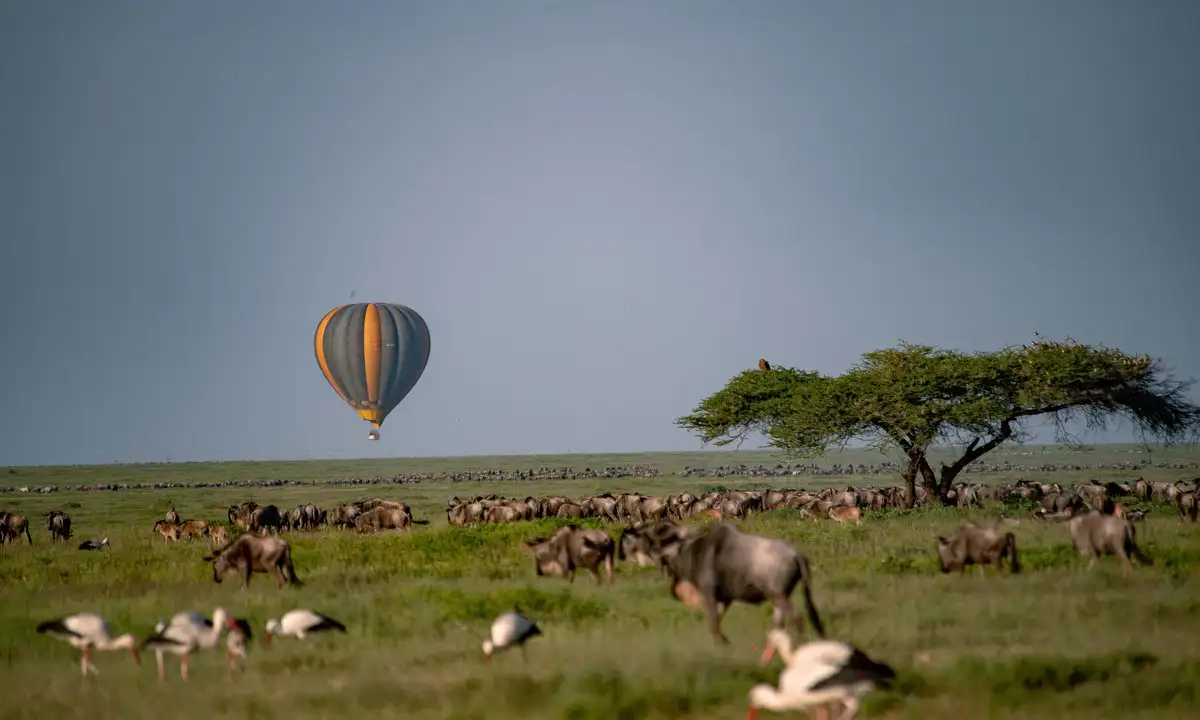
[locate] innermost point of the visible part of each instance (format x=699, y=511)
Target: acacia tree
x=914, y=397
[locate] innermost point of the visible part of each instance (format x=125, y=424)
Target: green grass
x=1055, y=642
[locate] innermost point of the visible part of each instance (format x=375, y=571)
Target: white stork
x=237, y=640
x=299, y=623
x=186, y=632
x=87, y=631
x=818, y=673
x=511, y=628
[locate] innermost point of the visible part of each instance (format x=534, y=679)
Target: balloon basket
x=373, y=435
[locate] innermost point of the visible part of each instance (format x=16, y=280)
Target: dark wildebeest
x=264, y=519
x=723, y=565
x=572, y=547
x=11, y=527
x=1098, y=533
x=653, y=543
x=59, y=525
x=248, y=554
x=978, y=545
x=383, y=517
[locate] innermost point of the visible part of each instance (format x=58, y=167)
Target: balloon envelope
x=372, y=354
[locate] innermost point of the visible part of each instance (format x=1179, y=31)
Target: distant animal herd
x=710, y=564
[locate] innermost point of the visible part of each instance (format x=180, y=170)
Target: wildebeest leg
x=246, y=576
x=716, y=611
x=783, y=612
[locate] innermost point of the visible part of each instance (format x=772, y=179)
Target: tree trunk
x=910, y=480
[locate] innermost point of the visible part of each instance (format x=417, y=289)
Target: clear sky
x=604, y=210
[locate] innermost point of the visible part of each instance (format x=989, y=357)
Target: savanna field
x=1056, y=641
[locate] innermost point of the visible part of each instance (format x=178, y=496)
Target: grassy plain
x=1055, y=642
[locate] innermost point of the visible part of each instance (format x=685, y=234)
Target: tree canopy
x=913, y=397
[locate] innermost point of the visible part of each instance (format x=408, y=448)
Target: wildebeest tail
x=1010, y=541
x=810, y=608
x=1136, y=553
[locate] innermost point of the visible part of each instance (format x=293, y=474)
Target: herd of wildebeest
x=710, y=562
x=653, y=533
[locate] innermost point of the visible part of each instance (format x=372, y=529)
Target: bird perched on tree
x=763, y=364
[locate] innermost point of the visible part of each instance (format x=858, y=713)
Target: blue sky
x=604, y=210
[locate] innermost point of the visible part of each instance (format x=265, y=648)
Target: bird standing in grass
x=818, y=673
x=93, y=544
x=301, y=622
x=511, y=628
x=87, y=631
x=236, y=641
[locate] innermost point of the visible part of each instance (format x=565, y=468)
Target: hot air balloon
x=372, y=354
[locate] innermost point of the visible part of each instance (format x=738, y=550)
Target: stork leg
x=83, y=662
x=851, y=704
x=183, y=667
x=162, y=671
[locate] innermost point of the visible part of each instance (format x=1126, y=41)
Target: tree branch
x=975, y=451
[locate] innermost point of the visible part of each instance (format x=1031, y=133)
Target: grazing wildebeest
x=11, y=527
x=978, y=545
x=723, y=565
x=653, y=543
x=1097, y=533
x=59, y=525
x=383, y=517
x=248, y=554
x=573, y=547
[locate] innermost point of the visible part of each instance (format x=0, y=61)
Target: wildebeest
x=653, y=543
x=218, y=535
x=192, y=529
x=1097, y=533
x=383, y=518
x=572, y=547
x=722, y=565
x=59, y=525
x=248, y=554
x=265, y=519
x=978, y=545
x=240, y=514
x=11, y=527
x=1189, y=505
x=169, y=531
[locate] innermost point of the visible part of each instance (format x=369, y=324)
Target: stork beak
x=768, y=653
x=136, y=658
